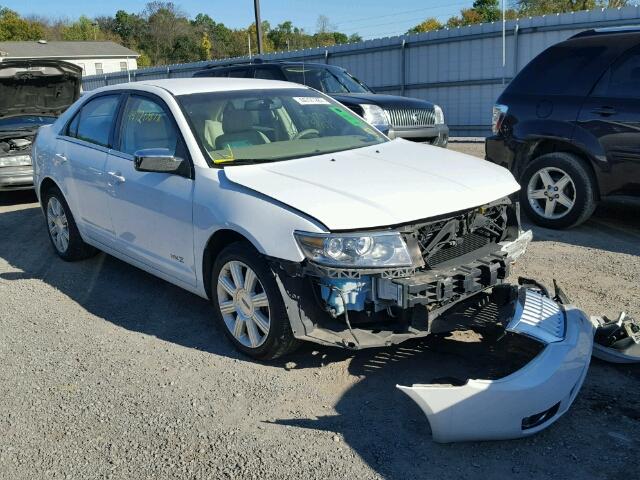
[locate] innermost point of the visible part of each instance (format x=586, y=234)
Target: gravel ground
x=108, y=372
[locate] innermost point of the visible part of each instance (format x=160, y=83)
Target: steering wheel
x=305, y=132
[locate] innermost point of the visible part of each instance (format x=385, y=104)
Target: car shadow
x=109, y=288
x=614, y=227
x=18, y=197
x=380, y=424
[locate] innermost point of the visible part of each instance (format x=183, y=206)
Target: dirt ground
x=108, y=372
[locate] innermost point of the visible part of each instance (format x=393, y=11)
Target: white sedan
x=300, y=221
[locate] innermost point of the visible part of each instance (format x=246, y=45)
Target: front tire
x=62, y=229
x=557, y=191
x=248, y=304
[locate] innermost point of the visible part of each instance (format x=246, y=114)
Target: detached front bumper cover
x=526, y=401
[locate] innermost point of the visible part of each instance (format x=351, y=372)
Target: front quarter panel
x=267, y=224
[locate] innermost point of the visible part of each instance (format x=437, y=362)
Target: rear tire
x=558, y=191
x=248, y=305
x=62, y=229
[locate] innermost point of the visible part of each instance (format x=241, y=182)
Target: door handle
x=117, y=176
x=604, y=111
x=60, y=159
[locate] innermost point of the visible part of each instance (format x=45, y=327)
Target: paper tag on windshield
x=311, y=101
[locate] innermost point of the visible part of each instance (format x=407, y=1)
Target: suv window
x=145, y=124
x=569, y=68
x=622, y=79
x=324, y=79
x=94, y=120
x=239, y=73
x=268, y=73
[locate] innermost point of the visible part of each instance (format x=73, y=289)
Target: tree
x=468, y=16
x=355, y=38
x=428, y=25
x=323, y=25
x=12, y=27
x=165, y=23
x=129, y=27
x=205, y=47
x=83, y=29
x=542, y=7
x=489, y=10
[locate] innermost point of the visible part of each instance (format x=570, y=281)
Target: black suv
x=396, y=116
x=568, y=126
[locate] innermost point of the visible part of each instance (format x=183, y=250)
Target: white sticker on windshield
x=311, y=101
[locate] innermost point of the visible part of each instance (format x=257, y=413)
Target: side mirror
x=159, y=160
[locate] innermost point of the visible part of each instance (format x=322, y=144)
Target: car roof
x=185, y=86
x=271, y=63
x=629, y=30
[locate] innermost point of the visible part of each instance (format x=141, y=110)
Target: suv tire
x=62, y=229
x=557, y=191
x=248, y=304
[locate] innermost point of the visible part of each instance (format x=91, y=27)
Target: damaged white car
x=300, y=221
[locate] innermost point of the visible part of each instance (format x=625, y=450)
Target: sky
x=369, y=18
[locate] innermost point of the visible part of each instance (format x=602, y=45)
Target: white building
x=95, y=58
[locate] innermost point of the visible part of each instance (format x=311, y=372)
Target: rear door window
x=622, y=79
x=570, y=68
x=94, y=121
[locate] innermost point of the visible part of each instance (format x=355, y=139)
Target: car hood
x=388, y=184
x=38, y=87
x=385, y=101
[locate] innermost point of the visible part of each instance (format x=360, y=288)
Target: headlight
x=15, y=161
x=374, y=114
x=439, y=115
x=355, y=250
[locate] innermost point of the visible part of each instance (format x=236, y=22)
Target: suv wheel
x=557, y=191
x=62, y=229
x=248, y=304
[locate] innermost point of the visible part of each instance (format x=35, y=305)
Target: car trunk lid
x=37, y=87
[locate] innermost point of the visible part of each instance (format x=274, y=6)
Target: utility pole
x=256, y=7
x=504, y=44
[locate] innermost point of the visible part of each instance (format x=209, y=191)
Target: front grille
x=442, y=241
x=540, y=318
x=411, y=117
x=465, y=244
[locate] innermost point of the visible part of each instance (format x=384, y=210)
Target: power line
x=369, y=26
x=402, y=13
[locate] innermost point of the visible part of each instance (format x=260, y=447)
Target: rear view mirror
x=159, y=160
x=263, y=104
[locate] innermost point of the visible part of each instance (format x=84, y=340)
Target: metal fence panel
x=459, y=69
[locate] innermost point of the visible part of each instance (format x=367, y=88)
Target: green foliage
x=12, y=27
x=164, y=34
x=426, y=26
x=485, y=11
x=83, y=29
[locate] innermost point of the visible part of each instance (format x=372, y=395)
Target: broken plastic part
x=525, y=401
x=617, y=341
x=516, y=248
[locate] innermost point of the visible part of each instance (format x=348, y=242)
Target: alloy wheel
x=243, y=304
x=58, y=225
x=551, y=193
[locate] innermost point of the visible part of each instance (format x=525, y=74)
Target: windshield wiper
x=229, y=162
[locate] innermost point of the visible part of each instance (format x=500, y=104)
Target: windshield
x=325, y=79
x=253, y=126
x=25, y=121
